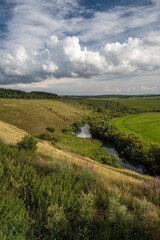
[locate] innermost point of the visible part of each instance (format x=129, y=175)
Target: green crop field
x=141, y=103
x=147, y=125
x=138, y=103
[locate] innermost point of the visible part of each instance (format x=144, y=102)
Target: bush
x=53, y=143
x=55, y=139
x=28, y=143
x=45, y=136
x=50, y=129
x=68, y=129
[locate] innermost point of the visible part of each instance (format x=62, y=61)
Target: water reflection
x=122, y=161
x=84, y=132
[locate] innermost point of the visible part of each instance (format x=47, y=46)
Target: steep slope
x=35, y=115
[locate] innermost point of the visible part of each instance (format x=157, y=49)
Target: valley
x=110, y=194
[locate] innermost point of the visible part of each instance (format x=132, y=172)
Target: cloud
x=156, y=2
x=131, y=89
x=112, y=90
x=149, y=89
x=53, y=39
x=134, y=55
x=66, y=58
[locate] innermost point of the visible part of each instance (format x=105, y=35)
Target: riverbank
x=84, y=132
x=130, y=146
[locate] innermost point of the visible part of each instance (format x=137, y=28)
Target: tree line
x=129, y=145
x=11, y=93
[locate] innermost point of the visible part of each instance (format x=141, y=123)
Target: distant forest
x=11, y=93
x=116, y=96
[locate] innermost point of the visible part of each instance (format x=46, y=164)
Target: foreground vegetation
x=45, y=198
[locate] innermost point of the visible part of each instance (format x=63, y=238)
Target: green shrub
x=55, y=139
x=50, y=129
x=68, y=129
x=45, y=136
x=53, y=143
x=87, y=210
x=56, y=221
x=28, y=143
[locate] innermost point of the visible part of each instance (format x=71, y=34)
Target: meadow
x=35, y=115
x=63, y=191
x=141, y=104
x=145, y=103
x=53, y=194
x=147, y=125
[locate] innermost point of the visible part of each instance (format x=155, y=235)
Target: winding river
x=84, y=132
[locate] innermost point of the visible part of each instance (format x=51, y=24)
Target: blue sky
x=80, y=46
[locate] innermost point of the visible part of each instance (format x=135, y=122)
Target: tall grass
x=47, y=198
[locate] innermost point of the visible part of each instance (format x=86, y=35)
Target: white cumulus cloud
x=52, y=39
x=66, y=58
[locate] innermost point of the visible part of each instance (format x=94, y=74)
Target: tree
x=28, y=143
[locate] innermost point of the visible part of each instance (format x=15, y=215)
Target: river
x=84, y=132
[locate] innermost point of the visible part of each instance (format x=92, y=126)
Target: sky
x=80, y=47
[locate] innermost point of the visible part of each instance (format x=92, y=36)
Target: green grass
x=138, y=103
x=35, y=115
x=147, y=125
x=141, y=104
x=81, y=146
x=86, y=147
x=49, y=198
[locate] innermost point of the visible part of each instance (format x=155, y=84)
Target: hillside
x=64, y=194
x=35, y=115
x=132, y=196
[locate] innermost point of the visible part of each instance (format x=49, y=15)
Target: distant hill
x=11, y=93
x=115, y=96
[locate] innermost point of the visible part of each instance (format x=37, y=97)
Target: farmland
x=138, y=103
x=147, y=125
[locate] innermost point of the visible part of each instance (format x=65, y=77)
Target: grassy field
x=141, y=103
x=35, y=115
x=147, y=125
x=138, y=103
